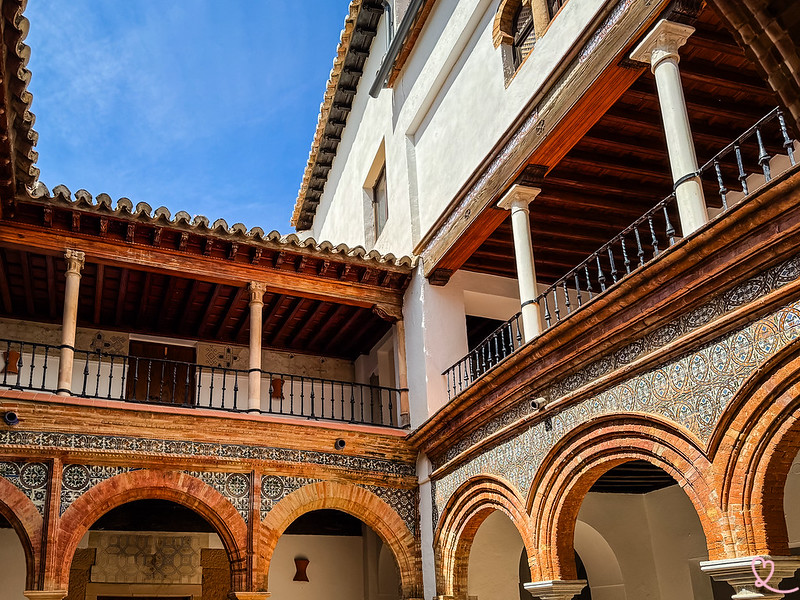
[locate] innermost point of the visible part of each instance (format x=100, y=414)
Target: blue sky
x=197, y=105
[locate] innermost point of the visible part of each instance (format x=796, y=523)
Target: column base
x=45, y=594
x=249, y=595
x=555, y=590
x=738, y=572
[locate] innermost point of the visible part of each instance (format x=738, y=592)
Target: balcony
x=34, y=366
x=746, y=165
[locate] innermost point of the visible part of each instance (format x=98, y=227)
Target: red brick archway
x=570, y=470
x=358, y=502
x=757, y=440
x=461, y=518
x=150, y=484
x=18, y=510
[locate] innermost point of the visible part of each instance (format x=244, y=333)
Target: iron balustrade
x=107, y=376
x=501, y=343
x=748, y=163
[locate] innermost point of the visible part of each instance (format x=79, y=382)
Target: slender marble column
x=69, y=322
x=256, y=290
x=516, y=200
x=739, y=573
x=402, y=371
x=659, y=48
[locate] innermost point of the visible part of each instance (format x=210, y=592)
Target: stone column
x=249, y=595
x=753, y=577
x=256, y=290
x=555, y=590
x=75, y=261
x=659, y=48
x=516, y=200
x=402, y=373
x=541, y=17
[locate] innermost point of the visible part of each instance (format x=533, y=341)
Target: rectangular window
x=380, y=203
x=553, y=6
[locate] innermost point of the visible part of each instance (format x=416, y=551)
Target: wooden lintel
x=161, y=260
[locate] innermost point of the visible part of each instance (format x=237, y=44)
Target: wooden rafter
x=98, y=294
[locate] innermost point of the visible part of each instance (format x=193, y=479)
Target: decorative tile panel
x=275, y=488
x=78, y=479
x=402, y=501
x=691, y=391
x=744, y=293
x=235, y=487
x=31, y=478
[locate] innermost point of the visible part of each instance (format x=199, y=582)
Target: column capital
x=45, y=594
x=662, y=42
x=752, y=576
x=555, y=590
x=75, y=260
x=518, y=196
x=256, y=289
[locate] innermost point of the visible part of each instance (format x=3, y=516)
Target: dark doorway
x=161, y=373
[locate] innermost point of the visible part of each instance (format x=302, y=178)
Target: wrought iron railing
x=743, y=166
x=101, y=375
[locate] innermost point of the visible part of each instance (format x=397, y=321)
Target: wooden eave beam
x=323, y=332
x=203, y=324
x=123, y=290
x=287, y=323
x=351, y=320
x=223, y=322
x=206, y=269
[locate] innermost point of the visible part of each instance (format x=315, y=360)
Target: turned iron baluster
x=601, y=277
x=763, y=157
x=723, y=191
x=640, y=249
x=546, y=310
x=670, y=228
x=588, y=279
x=653, y=235
x=625, y=260
x=788, y=143
x=44, y=369
x=578, y=288
x=742, y=175
x=612, y=263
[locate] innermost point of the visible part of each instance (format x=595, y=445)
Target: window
x=553, y=6
x=380, y=203
x=524, y=33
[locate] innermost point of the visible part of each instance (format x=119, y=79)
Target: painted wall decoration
x=31, y=479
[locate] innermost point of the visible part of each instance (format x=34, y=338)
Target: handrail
x=142, y=380
x=646, y=238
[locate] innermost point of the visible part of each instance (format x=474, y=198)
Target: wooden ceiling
x=135, y=300
x=620, y=169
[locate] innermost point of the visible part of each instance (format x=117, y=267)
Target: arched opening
x=791, y=510
x=12, y=557
x=150, y=548
x=328, y=553
x=494, y=570
x=638, y=535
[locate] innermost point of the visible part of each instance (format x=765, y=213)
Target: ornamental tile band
x=145, y=446
x=403, y=502
x=30, y=478
x=691, y=391
x=235, y=487
x=746, y=292
x=275, y=488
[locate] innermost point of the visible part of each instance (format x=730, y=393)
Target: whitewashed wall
x=12, y=575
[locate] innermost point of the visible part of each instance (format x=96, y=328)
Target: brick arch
x=753, y=448
x=353, y=500
x=461, y=518
x=24, y=517
x=502, y=29
x=581, y=458
x=149, y=484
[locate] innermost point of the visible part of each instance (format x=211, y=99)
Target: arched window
x=523, y=32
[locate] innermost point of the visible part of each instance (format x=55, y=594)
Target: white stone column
x=659, y=48
x=516, y=200
x=752, y=576
x=69, y=322
x=256, y=290
x=45, y=594
x=555, y=590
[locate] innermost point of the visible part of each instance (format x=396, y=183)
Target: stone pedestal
x=763, y=583
x=45, y=594
x=555, y=590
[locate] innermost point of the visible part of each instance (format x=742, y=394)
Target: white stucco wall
x=447, y=110
x=494, y=560
x=12, y=575
x=657, y=541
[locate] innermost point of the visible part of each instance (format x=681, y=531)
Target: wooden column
x=659, y=48
x=256, y=290
x=75, y=261
x=516, y=200
x=402, y=373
